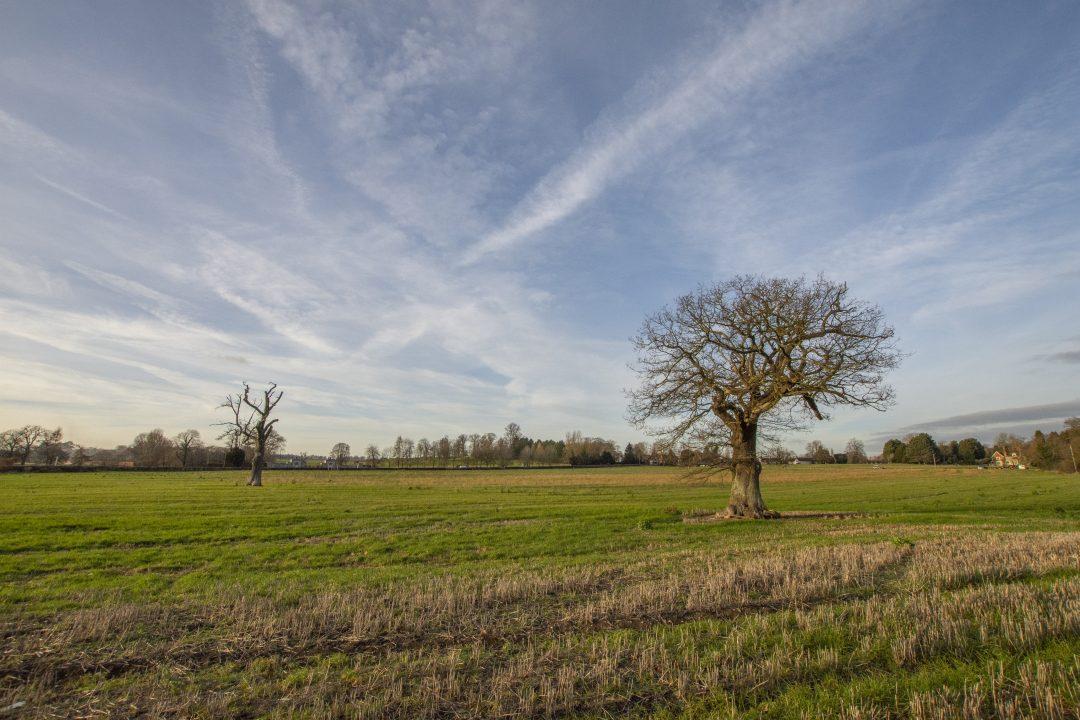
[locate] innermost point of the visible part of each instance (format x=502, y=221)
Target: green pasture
x=82, y=539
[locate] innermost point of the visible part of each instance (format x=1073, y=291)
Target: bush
x=235, y=457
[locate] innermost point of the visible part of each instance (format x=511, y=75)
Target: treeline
x=481, y=450
x=854, y=453
x=33, y=445
x=922, y=449
x=1056, y=450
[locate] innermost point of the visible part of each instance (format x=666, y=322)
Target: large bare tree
x=755, y=355
x=251, y=424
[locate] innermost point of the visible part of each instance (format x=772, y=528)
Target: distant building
x=807, y=460
x=1003, y=460
x=289, y=461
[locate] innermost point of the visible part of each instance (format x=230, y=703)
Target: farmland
x=895, y=592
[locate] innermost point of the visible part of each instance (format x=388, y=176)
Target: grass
x=572, y=593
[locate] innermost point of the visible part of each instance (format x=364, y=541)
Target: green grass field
x=547, y=593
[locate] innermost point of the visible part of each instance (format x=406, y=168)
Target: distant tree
x=1054, y=450
x=855, y=451
x=629, y=457
x=108, y=457
x=1074, y=429
x=777, y=454
x=340, y=454
x=574, y=442
x=949, y=452
x=894, y=451
x=51, y=447
x=1042, y=452
x=235, y=456
x=1008, y=443
x=423, y=450
x=1071, y=432
x=81, y=455
x=503, y=452
x=373, y=455
x=187, y=442
x=543, y=452
x=484, y=448
x=922, y=449
x=819, y=453
x=825, y=456
x=153, y=449
x=582, y=450
x=969, y=451
x=9, y=444
x=512, y=435
x=251, y=422
x=22, y=442
x=753, y=354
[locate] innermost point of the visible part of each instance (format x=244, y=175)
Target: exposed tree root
x=744, y=512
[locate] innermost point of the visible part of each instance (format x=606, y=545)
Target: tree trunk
x=256, y=469
x=746, y=499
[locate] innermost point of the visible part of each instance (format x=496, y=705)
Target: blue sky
x=430, y=218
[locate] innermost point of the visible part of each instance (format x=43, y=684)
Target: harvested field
x=941, y=593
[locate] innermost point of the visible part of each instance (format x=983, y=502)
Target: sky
x=427, y=218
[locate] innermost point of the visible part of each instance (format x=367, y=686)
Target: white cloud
x=81, y=198
x=23, y=280
x=284, y=300
x=782, y=36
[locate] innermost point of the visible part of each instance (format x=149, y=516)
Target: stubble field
x=587, y=593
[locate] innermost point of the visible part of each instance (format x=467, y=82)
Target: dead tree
x=752, y=356
x=251, y=424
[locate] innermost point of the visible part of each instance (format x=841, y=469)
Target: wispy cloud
x=1071, y=357
x=781, y=37
x=81, y=198
x=250, y=280
x=22, y=137
x=987, y=422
